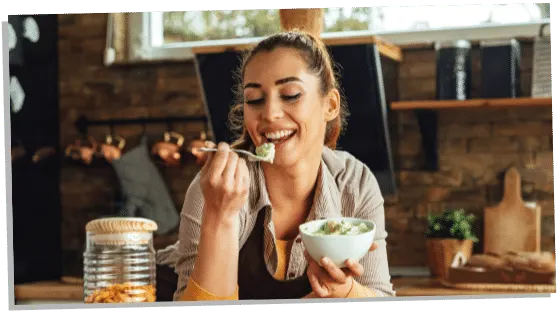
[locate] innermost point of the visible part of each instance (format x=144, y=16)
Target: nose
x=272, y=110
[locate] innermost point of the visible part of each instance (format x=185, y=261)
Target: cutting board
x=512, y=225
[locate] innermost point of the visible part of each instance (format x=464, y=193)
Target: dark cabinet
x=36, y=209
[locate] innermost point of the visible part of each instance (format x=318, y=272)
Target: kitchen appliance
x=501, y=63
x=453, y=70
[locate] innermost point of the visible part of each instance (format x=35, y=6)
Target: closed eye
x=255, y=101
x=291, y=97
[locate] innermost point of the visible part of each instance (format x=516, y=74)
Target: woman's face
x=283, y=105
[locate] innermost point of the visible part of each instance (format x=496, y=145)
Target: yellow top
x=194, y=292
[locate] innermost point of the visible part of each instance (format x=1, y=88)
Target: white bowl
x=338, y=248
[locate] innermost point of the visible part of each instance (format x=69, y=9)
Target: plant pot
x=444, y=252
x=309, y=20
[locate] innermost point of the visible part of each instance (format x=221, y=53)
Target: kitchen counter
x=70, y=290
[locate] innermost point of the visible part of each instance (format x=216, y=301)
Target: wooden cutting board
x=512, y=225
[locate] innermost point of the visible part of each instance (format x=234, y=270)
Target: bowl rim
x=372, y=231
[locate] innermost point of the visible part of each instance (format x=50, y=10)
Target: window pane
x=211, y=25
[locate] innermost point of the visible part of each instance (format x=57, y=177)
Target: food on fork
x=266, y=151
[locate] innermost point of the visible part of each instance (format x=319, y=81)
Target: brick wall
x=89, y=88
x=476, y=146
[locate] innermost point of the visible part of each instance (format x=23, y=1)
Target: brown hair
x=316, y=55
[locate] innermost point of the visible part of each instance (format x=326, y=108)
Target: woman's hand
x=224, y=182
x=330, y=281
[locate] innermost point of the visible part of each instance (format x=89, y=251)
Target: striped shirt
x=345, y=188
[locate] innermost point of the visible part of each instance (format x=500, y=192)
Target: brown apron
x=254, y=280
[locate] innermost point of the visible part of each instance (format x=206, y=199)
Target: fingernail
x=351, y=262
x=325, y=261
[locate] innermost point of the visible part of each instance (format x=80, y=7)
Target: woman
x=239, y=228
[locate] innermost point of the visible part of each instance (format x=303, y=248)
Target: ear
x=332, y=106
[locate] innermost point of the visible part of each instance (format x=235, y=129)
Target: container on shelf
x=453, y=70
x=501, y=64
x=120, y=261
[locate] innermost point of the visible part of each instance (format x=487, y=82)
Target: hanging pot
x=195, y=145
x=81, y=152
x=168, y=150
x=112, y=148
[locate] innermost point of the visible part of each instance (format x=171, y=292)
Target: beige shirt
x=345, y=188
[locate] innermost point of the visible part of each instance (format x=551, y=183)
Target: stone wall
x=476, y=145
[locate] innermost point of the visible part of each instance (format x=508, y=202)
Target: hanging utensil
x=18, y=152
x=197, y=144
x=43, y=153
x=168, y=150
x=112, y=148
x=82, y=153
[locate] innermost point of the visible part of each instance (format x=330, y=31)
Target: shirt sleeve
x=189, y=235
x=194, y=292
x=360, y=291
x=370, y=206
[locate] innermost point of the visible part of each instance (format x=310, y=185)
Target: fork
x=252, y=157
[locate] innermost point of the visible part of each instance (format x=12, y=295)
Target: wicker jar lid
x=121, y=225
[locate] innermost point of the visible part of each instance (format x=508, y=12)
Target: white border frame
x=147, y=45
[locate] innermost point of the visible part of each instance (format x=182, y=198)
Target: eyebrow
x=278, y=82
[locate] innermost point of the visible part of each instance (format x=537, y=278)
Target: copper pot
x=112, y=148
x=167, y=150
x=195, y=145
x=81, y=152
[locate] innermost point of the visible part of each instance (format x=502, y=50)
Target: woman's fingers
x=373, y=246
x=206, y=156
x=336, y=273
x=317, y=287
x=230, y=169
x=356, y=269
x=219, y=162
x=241, y=181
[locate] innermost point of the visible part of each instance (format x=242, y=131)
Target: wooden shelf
x=473, y=103
x=386, y=49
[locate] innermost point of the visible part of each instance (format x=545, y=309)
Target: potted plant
x=450, y=237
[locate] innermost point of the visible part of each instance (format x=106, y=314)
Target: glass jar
x=120, y=261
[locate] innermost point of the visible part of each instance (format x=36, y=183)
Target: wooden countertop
x=422, y=286
x=71, y=289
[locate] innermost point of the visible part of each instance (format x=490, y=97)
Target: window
x=170, y=34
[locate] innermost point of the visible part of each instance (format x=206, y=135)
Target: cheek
x=250, y=119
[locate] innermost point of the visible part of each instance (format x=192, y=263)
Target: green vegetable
x=342, y=228
x=266, y=151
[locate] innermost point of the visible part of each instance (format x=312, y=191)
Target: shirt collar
x=326, y=201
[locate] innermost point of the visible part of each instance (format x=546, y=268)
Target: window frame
x=144, y=45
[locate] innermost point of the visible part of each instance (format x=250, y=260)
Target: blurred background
x=106, y=106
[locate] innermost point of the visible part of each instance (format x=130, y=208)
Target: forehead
x=276, y=64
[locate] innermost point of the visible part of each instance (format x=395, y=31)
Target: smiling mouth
x=278, y=137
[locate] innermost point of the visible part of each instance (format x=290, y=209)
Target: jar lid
x=121, y=225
